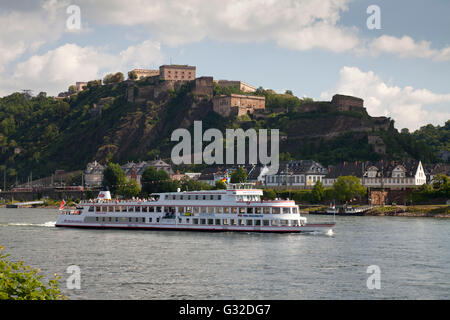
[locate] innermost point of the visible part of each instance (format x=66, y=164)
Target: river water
x=412, y=254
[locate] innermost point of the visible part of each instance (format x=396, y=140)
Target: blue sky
x=314, y=48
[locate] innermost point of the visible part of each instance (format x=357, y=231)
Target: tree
x=238, y=176
x=129, y=189
x=72, y=89
x=269, y=194
x=220, y=185
x=346, y=188
x=154, y=181
x=132, y=75
x=113, y=78
x=21, y=282
x=113, y=177
x=318, y=192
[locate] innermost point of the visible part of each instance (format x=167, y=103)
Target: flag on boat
x=62, y=204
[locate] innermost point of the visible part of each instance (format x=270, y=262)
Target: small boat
x=344, y=210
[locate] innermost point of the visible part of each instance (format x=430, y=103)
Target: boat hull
x=323, y=227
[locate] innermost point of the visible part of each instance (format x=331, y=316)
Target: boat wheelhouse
x=239, y=208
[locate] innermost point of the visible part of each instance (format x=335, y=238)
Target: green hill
x=134, y=121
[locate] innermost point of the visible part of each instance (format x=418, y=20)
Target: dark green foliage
x=21, y=282
x=154, y=181
x=113, y=177
x=238, y=176
x=346, y=188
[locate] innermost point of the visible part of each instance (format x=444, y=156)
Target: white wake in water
x=45, y=224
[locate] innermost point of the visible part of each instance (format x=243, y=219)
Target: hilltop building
x=347, y=103
x=236, y=104
x=177, y=72
x=81, y=86
x=236, y=84
x=144, y=73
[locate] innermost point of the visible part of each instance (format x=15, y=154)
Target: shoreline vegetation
x=429, y=210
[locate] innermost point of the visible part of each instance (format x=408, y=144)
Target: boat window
x=286, y=210
x=241, y=222
x=179, y=220
x=210, y=221
x=249, y=210
x=137, y=219
x=275, y=223
x=294, y=223
x=150, y=220
x=109, y=219
x=195, y=221
x=241, y=210
x=257, y=222
x=111, y=209
x=219, y=209
x=210, y=209
x=143, y=220
x=158, y=209
x=204, y=197
x=249, y=222
x=202, y=221
x=226, y=210
x=188, y=220
x=295, y=210
x=203, y=209
x=219, y=197
x=96, y=218
x=275, y=210
x=151, y=209
x=218, y=222
x=144, y=209
x=137, y=209
x=266, y=210
x=233, y=222
x=124, y=209
x=129, y=219
x=91, y=209
x=284, y=222
x=226, y=222
x=103, y=219
x=181, y=209
x=266, y=222
x=196, y=209
x=258, y=210
x=130, y=209
x=233, y=210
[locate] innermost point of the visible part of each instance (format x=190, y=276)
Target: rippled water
x=413, y=255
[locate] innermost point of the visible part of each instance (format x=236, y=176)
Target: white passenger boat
x=239, y=208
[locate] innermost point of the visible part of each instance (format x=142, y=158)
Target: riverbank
x=435, y=211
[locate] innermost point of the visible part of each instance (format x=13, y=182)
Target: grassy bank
x=436, y=211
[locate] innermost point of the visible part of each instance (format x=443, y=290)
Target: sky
x=394, y=54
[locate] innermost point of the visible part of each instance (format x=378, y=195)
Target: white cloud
x=410, y=108
x=300, y=25
x=55, y=70
x=28, y=30
x=406, y=47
